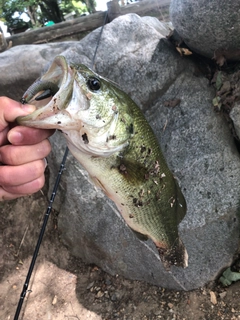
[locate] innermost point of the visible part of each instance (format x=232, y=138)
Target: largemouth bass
x=108, y=134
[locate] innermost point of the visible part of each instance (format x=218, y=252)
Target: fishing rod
x=49, y=209
x=43, y=228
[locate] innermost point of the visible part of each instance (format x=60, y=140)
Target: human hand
x=22, y=152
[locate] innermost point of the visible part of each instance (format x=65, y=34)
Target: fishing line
x=49, y=209
x=99, y=38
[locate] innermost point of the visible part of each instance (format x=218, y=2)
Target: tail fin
x=176, y=256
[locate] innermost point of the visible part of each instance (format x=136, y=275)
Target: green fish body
x=108, y=134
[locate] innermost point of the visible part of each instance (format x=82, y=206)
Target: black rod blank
x=35, y=254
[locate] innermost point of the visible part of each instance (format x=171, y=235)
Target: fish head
x=94, y=114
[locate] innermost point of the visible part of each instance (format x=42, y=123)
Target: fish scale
x=109, y=135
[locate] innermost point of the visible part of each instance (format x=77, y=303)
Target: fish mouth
x=50, y=94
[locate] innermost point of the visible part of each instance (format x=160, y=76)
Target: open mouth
x=50, y=93
x=50, y=83
x=40, y=90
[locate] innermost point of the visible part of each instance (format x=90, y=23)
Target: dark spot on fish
x=155, y=169
x=85, y=138
x=138, y=203
x=59, y=122
x=149, y=151
x=131, y=216
x=158, y=195
x=120, y=155
x=130, y=128
x=143, y=149
x=141, y=193
x=122, y=169
x=122, y=204
x=111, y=137
x=55, y=107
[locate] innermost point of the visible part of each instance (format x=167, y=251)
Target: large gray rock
x=235, y=116
x=195, y=141
x=208, y=26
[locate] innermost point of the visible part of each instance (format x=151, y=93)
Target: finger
x=4, y=195
x=11, y=109
x=3, y=136
x=18, y=155
x=20, y=135
x=23, y=190
x=18, y=175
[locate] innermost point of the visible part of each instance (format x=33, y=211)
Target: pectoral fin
x=139, y=235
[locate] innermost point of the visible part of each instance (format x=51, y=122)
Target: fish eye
x=93, y=84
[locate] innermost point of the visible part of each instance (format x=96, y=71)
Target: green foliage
x=40, y=11
x=229, y=276
x=68, y=6
x=8, y=8
x=90, y=4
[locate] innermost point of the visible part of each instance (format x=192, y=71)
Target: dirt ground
x=64, y=288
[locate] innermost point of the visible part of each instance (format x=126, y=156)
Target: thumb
x=10, y=110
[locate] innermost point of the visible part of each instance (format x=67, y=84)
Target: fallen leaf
x=219, y=80
x=226, y=87
x=219, y=57
x=217, y=103
x=184, y=51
